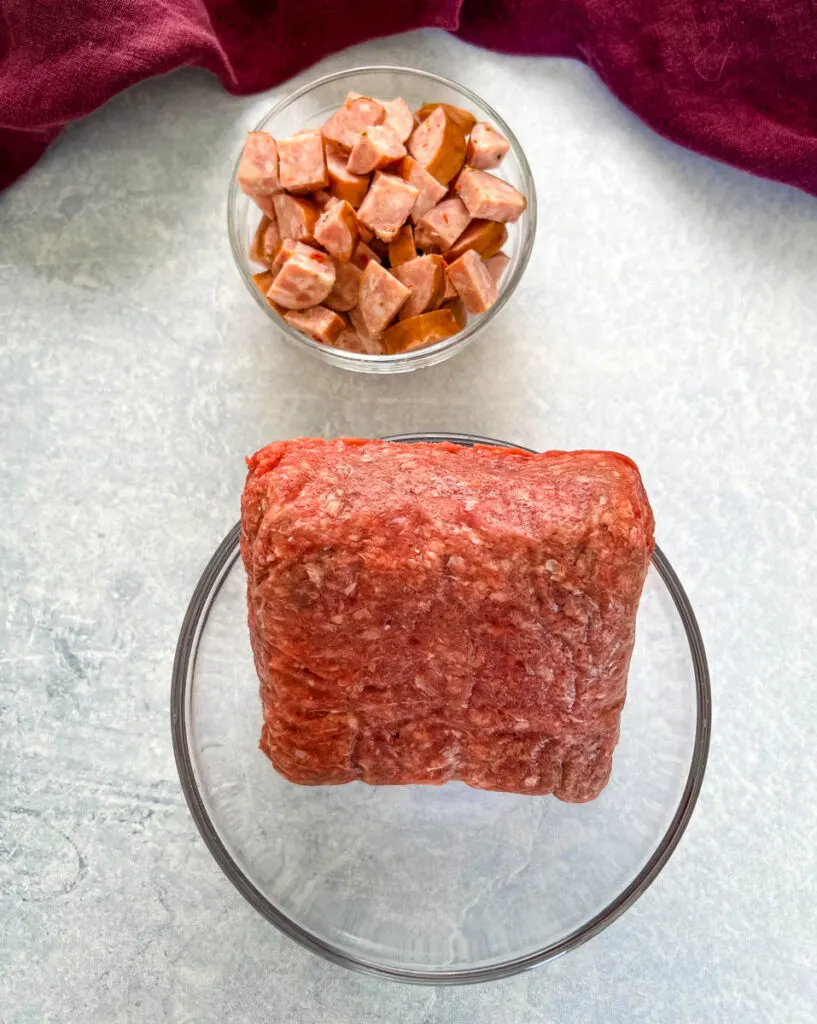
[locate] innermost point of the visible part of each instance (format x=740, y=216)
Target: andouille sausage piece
x=376, y=147
x=350, y=341
x=464, y=119
x=301, y=163
x=296, y=217
x=337, y=230
x=305, y=279
x=265, y=203
x=429, y=190
x=381, y=296
x=486, y=147
x=364, y=255
x=450, y=290
x=372, y=345
x=266, y=242
x=420, y=330
x=399, y=117
x=263, y=282
x=357, y=113
x=318, y=323
x=490, y=197
x=258, y=167
x=321, y=198
x=346, y=289
x=485, y=237
x=401, y=247
x=442, y=225
x=496, y=266
x=287, y=248
x=425, y=279
x=343, y=184
x=474, y=284
x=438, y=144
x=387, y=205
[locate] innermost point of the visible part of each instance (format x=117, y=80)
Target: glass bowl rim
x=421, y=356
x=195, y=620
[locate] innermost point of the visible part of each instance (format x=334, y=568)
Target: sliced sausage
x=305, y=279
x=376, y=147
x=357, y=113
x=372, y=345
x=425, y=279
x=337, y=231
x=474, y=284
x=438, y=144
x=258, y=167
x=381, y=296
x=263, y=282
x=458, y=311
x=346, y=289
x=318, y=323
x=265, y=203
x=296, y=217
x=350, y=341
x=442, y=225
x=497, y=265
x=486, y=147
x=399, y=117
x=450, y=290
x=321, y=198
x=490, y=197
x=401, y=247
x=257, y=245
x=343, y=184
x=463, y=119
x=301, y=162
x=485, y=237
x=387, y=205
x=420, y=330
x=429, y=190
x=288, y=247
x=363, y=256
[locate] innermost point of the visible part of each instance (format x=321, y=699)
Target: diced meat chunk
x=305, y=279
x=496, y=266
x=266, y=242
x=486, y=147
x=474, y=284
x=265, y=203
x=438, y=144
x=442, y=225
x=425, y=279
x=401, y=247
x=263, y=282
x=350, y=341
x=318, y=323
x=450, y=290
x=463, y=119
x=485, y=237
x=336, y=230
x=372, y=345
x=375, y=147
x=399, y=117
x=343, y=184
x=321, y=198
x=258, y=167
x=421, y=613
x=302, y=166
x=357, y=113
x=387, y=205
x=346, y=289
x=296, y=217
x=381, y=296
x=418, y=331
x=490, y=197
x=364, y=255
x=286, y=249
x=429, y=190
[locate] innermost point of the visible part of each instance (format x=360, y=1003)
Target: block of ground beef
x=421, y=613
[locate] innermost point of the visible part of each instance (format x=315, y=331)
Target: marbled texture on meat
x=427, y=612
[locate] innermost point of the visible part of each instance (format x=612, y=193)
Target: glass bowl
x=436, y=884
x=309, y=107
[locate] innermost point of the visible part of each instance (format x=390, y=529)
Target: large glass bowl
x=309, y=107
x=437, y=884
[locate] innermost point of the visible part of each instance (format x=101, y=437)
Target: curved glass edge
x=431, y=354
x=184, y=662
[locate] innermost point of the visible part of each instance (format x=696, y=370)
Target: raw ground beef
x=427, y=612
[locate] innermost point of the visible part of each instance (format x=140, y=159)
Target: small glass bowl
x=428, y=884
x=309, y=107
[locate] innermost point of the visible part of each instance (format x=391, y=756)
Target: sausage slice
x=343, y=183
x=387, y=205
x=346, y=289
x=438, y=144
x=376, y=147
x=485, y=237
x=420, y=330
x=429, y=190
x=425, y=278
x=490, y=197
x=486, y=147
x=301, y=163
x=258, y=167
x=401, y=247
x=381, y=296
x=474, y=284
x=357, y=113
x=318, y=323
x=463, y=119
x=442, y=225
x=296, y=217
x=305, y=279
x=337, y=231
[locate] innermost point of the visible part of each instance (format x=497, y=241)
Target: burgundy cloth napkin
x=733, y=79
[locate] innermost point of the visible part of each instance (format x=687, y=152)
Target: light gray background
x=670, y=312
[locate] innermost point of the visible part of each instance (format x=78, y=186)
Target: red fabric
x=734, y=79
